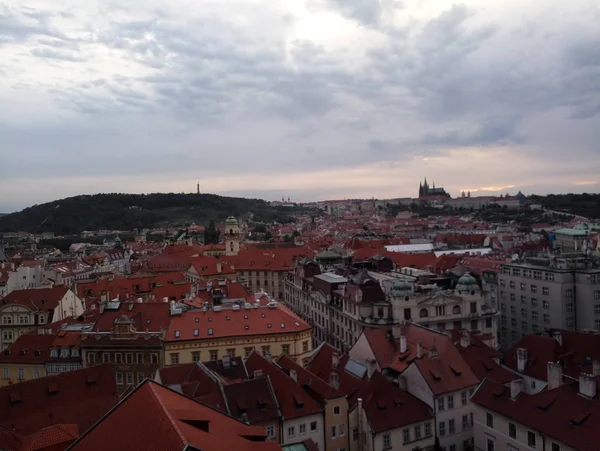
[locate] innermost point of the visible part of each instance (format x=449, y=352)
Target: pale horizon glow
x=312, y=99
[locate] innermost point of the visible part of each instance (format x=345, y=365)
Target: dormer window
x=74, y=352
x=54, y=353
x=64, y=353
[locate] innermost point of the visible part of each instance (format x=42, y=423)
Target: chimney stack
x=554, y=375
x=403, y=344
x=596, y=367
x=419, y=350
x=587, y=385
x=294, y=375
x=465, y=338
x=557, y=336
x=372, y=366
x=335, y=360
x=521, y=359
x=433, y=353
x=334, y=380
x=516, y=387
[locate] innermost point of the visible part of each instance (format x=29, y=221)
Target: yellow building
x=271, y=329
x=26, y=358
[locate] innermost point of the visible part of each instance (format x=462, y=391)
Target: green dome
x=467, y=283
x=231, y=220
x=401, y=287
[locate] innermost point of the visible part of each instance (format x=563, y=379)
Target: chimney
x=396, y=331
x=554, y=375
x=219, y=267
x=516, y=387
x=294, y=375
x=359, y=402
x=587, y=385
x=372, y=364
x=433, y=353
x=596, y=367
x=465, y=339
x=335, y=360
x=419, y=350
x=403, y=344
x=402, y=382
x=521, y=359
x=557, y=336
x=334, y=380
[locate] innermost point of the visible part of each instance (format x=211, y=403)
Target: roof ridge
x=165, y=411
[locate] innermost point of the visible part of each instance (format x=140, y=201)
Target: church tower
x=232, y=236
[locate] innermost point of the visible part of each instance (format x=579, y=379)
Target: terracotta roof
x=321, y=365
x=293, y=401
x=196, y=325
x=560, y=414
x=151, y=316
x=29, y=348
x=232, y=371
x=56, y=437
x=445, y=372
x=386, y=406
x=313, y=385
x=37, y=298
x=76, y=397
x=252, y=401
x=154, y=417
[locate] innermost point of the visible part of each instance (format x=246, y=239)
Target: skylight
x=210, y=331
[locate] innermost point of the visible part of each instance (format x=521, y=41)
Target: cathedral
x=425, y=190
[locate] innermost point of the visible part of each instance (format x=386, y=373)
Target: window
x=490, y=442
x=512, y=284
x=91, y=358
x=195, y=356
x=418, y=432
x=247, y=351
x=285, y=349
x=119, y=378
x=214, y=354
x=406, y=436
x=105, y=357
x=488, y=323
x=465, y=422
x=513, y=298
x=502, y=282
x=534, y=288
x=513, y=309
x=271, y=432
x=489, y=420
x=512, y=430
x=546, y=305
x=129, y=358
x=265, y=350
x=545, y=291
x=341, y=429
x=36, y=373
x=118, y=357
x=537, y=275
x=441, y=406
x=21, y=374
x=139, y=357
x=547, y=319
x=305, y=346
x=313, y=426
x=451, y=426
x=140, y=378
x=130, y=378
x=569, y=292
x=302, y=429
x=8, y=335
x=174, y=358
x=597, y=324
x=523, y=286
x=231, y=352
x=597, y=308
x=291, y=431
x=570, y=322
x=387, y=440
x=336, y=410
x=154, y=358
x=355, y=434
x=427, y=429
x=452, y=448
x=531, y=439
x=441, y=428
x=555, y=447
x=333, y=431
x=451, y=402
x=534, y=316
x=596, y=295
x=5, y=373
x=7, y=320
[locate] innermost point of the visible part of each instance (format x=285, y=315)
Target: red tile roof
x=313, y=385
x=293, y=401
x=321, y=365
x=196, y=325
x=252, y=401
x=29, y=348
x=386, y=406
x=77, y=397
x=154, y=417
x=445, y=373
x=53, y=438
x=151, y=316
x=148, y=286
x=37, y=298
x=560, y=414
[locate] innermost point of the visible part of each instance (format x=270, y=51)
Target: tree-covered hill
x=129, y=211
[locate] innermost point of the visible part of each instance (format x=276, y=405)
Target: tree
x=211, y=234
x=287, y=239
x=268, y=236
x=295, y=233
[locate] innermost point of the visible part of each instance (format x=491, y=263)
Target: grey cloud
x=48, y=52
x=366, y=12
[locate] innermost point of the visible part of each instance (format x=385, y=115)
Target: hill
x=129, y=211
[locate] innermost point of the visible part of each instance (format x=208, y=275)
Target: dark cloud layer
x=147, y=89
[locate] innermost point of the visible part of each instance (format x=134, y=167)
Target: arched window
x=231, y=246
x=231, y=231
x=423, y=313
x=456, y=310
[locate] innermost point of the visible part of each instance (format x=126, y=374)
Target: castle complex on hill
x=425, y=190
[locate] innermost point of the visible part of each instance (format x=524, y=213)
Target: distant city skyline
x=312, y=99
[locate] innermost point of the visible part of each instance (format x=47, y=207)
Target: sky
x=312, y=99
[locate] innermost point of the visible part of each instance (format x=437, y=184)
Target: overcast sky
x=312, y=99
